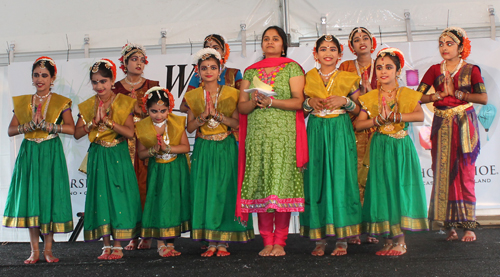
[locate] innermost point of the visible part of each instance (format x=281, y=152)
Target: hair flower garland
x=204, y=54
x=48, y=59
x=109, y=65
x=129, y=49
x=393, y=52
x=166, y=94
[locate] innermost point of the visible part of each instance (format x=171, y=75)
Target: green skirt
x=39, y=190
x=395, y=196
x=113, y=205
x=167, y=211
x=332, y=205
x=214, y=188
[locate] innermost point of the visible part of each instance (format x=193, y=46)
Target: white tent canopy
x=58, y=27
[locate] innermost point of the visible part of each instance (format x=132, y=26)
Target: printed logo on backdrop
x=485, y=174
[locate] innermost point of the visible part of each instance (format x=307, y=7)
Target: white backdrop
x=72, y=81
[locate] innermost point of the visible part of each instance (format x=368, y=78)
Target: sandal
x=115, y=256
x=103, y=255
x=319, y=250
x=209, y=253
x=222, y=253
x=50, y=258
x=384, y=252
x=340, y=248
x=30, y=260
x=396, y=252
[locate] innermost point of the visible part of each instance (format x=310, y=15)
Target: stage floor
x=428, y=255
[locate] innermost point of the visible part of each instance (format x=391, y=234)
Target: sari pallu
x=455, y=147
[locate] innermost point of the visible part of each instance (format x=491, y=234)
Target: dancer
x=162, y=139
x=362, y=43
x=229, y=77
x=274, y=147
x=395, y=197
x=133, y=62
x=39, y=197
x=332, y=206
x=212, y=111
x=112, y=205
x=455, y=133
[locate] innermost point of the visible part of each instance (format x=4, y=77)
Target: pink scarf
x=302, y=151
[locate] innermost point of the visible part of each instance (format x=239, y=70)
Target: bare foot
x=319, y=250
x=372, y=240
x=116, y=254
x=469, y=236
x=210, y=251
x=278, y=251
x=49, y=257
x=354, y=240
x=222, y=250
x=452, y=235
x=168, y=251
x=144, y=244
x=340, y=249
x=398, y=249
x=106, y=250
x=132, y=245
x=35, y=255
x=266, y=251
x=383, y=252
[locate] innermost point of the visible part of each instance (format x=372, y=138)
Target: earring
x=460, y=55
x=316, y=64
x=51, y=84
x=125, y=70
x=218, y=79
x=200, y=80
x=113, y=87
x=283, y=52
x=33, y=83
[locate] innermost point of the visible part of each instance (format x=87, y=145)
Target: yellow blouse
x=407, y=100
x=226, y=104
x=24, y=113
x=341, y=83
x=121, y=108
x=146, y=132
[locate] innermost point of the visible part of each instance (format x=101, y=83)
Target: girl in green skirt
x=112, y=205
x=212, y=110
x=162, y=139
x=395, y=197
x=332, y=205
x=39, y=196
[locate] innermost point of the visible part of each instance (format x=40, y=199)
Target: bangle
x=306, y=106
x=200, y=120
x=459, y=94
x=349, y=105
x=109, y=123
x=20, y=129
x=270, y=103
x=168, y=149
x=152, y=151
x=466, y=97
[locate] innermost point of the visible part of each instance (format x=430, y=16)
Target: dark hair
x=47, y=65
x=105, y=72
x=323, y=38
x=394, y=59
x=209, y=58
x=458, y=35
x=135, y=50
x=154, y=99
x=363, y=29
x=283, y=36
x=219, y=39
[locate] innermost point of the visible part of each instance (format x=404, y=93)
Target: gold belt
x=399, y=135
x=453, y=111
x=40, y=140
x=113, y=143
x=216, y=137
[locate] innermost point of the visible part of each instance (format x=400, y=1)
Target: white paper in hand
x=261, y=87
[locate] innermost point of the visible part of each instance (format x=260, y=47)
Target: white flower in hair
x=459, y=30
x=129, y=46
x=204, y=53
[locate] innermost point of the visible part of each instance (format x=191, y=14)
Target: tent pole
x=493, y=28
